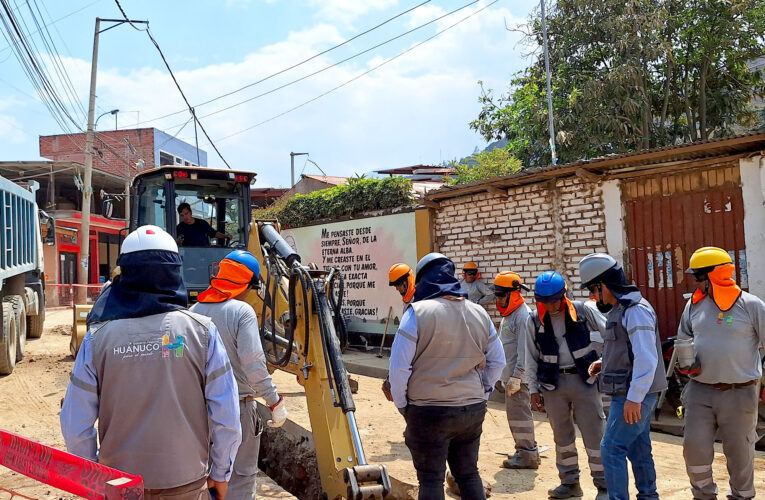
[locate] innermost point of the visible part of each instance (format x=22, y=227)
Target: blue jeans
x=622, y=441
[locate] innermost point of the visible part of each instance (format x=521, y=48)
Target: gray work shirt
x=726, y=343
x=512, y=333
x=238, y=327
x=478, y=291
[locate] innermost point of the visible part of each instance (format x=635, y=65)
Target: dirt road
x=381, y=428
x=30, y=402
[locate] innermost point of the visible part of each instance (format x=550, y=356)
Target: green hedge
x=359, y=195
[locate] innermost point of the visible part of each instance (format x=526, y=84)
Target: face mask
x=603, y=307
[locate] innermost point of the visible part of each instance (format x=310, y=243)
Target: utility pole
x=549, y=85
x=87, y=188
x=292, y=167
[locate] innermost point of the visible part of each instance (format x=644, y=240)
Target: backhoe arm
x=297, y=316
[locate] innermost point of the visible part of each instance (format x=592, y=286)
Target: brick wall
x=536, y=228
x=113, y=154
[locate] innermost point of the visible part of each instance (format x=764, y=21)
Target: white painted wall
x=753, y=192
x=615, y=233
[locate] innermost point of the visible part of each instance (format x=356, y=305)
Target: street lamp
x=292, y=166
x=112, y=112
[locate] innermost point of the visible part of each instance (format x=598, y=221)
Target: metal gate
x=668, y=217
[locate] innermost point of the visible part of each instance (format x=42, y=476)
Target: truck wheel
x=8, y=340
x=35, y=323
x=20, y=316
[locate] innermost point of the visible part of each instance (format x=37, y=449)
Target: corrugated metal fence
x=667, y=218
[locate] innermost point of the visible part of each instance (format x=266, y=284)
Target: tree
x=631, y=75
x=484, y=165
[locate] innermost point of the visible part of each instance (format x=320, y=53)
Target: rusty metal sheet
x=673, y=218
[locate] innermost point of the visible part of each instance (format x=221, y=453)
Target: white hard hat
x=593, y=266
x=148, y=238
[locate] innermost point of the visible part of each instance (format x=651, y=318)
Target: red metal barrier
x=66, y=471
x=65, y=294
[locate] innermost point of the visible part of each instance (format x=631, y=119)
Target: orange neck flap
x=514, y=303
x=541, y=311
x=725, y=291
x=232, y=279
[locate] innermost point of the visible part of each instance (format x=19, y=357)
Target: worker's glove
x=278, y=413
x=512, y=386
x=386, y=390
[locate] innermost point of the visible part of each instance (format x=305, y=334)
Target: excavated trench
x=288, y=456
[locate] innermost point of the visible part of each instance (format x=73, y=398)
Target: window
x=220, y=204
x=166, y=158
x=151, y=206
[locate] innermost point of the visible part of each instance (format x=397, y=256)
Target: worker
x=193, y=232
x=445, y=360
x=157, y=378
x=237, y=323
x=401, y=278
x=630, y=371
x=477, y=290
x=726, y=326
x=512, y=333
x=559, y=354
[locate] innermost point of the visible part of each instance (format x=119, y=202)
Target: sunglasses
x=593, y=288
x=471, y=273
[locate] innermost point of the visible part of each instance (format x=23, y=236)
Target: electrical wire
x=263, y=94
x=177, y=85
x=220, y=139
x=284, y=70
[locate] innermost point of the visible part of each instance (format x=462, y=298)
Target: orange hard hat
x=509, y=281
x=400, y=273
x=470, y=266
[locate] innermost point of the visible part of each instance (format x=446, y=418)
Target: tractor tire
x=35, y=323
x=20, y=315
x=7, y=340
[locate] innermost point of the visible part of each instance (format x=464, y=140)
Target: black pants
x=439, y=434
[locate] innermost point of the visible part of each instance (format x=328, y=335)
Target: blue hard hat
x=549, y=287
x=427, y=261
x=247, y=259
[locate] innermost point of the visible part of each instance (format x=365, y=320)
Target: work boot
x=566, y=491
x=602, y=493
x=517, y=462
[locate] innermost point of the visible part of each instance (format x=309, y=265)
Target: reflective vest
x=577, y=338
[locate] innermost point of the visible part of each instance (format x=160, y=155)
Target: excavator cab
x=220, y=199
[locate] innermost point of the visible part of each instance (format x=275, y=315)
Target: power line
x=220, y=139
x=349, y=40
x=263, y=94
x=177, y=85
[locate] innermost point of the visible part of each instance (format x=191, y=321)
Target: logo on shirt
x=167, y=346
x=722, y=319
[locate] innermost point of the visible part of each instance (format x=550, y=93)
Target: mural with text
x=363, y=250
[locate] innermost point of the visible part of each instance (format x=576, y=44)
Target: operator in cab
x=193, y=232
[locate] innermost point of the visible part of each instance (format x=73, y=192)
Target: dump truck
x=22, y=275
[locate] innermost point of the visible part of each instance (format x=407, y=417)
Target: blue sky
x=413, y=110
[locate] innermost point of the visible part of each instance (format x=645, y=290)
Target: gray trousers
x=734, y=414
x=192, y=491
x=242, y=483
x=518, y=408
x=571, y=402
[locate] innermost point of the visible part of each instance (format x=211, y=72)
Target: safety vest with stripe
x=152, y=414
x=577, y=338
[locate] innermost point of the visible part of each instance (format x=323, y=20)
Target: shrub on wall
x=359, y=195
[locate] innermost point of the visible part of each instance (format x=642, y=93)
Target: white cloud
x=347, y=11
x=10, y=129
x=414, y=110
